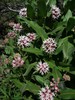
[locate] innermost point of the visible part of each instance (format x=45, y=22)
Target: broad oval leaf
x=68, y=94
x=32, y=87
x=35, y=51
x=68, y=15
x=39, y=79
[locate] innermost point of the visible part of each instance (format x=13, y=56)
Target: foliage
x=25, y=82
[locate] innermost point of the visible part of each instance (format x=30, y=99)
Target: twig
x=13, y=9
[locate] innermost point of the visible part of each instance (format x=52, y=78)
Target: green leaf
x=38, y=29
x=70, y=24
x=19, y=84
x=56, y=73
x=32, y=87
x=11, y=42
x=67, y=94
x=52, y=2
x=8, y=50
x=68, y=15
x=61, y=41
x=29, y=68
x=39, y=79
x=56, y=98
x=55, y=69
x=4, y=92
x=30, y=11
x=57, y=28
x=72, y=72
x=29, y=98
x=42, y=6
x=65, y=2
x=67, y=69
x=68, y=49
x=51, y=64
x=35, y=51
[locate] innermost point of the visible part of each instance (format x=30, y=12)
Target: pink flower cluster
x=54, y=86
x=23, y=12
x=31, y=36
x=49, y=45
x=55, y=12
x=11, y=24
x=11, y=34
x=48, y=93
x=17, y=62
x=25, y=41
x=42, y=67
x=16, y=26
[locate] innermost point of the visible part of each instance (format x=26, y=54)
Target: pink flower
x=11, y=24
x=49, y=45
x=17, y=62
x=23, y=12
x=31, y=36
x=23, y=41
x=11, y=35
x=17, y=27
x=46, y=94
x=55, y=12
x=42, y=67
x=54, y=86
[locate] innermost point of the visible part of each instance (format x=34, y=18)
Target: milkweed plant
x=38, y=57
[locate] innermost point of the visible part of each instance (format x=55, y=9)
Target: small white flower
x=46, y=94
x=31, y=36
x=55, y=12
x=23, y=12
x=17, y=27
x=42, y=67
x=23, y=41
x=49, y=45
